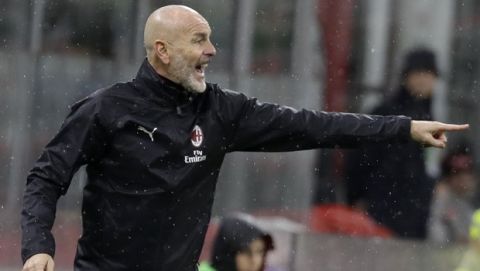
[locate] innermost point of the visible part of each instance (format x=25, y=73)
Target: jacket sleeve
x=268, y=127
x=79, y=140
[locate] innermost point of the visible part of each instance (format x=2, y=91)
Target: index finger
x=453, y=127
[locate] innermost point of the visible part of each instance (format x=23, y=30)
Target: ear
x=161, y=51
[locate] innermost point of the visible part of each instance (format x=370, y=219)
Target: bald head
x=166, y=23
x=177, y=41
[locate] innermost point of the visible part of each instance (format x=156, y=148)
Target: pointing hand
x=432, y=133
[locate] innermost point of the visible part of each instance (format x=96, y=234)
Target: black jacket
x=148, y=198
x=392, y=179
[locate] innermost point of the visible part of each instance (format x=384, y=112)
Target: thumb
x=436, y=142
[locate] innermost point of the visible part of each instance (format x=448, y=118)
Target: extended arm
x=269, y=127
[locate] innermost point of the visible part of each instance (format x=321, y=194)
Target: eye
x=198, y=41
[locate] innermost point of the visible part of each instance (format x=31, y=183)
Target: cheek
x=196, y=54
x=190, y=54
x=258, y=262
x=427, y=84
x=242, y=262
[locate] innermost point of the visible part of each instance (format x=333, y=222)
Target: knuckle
x=27, y=266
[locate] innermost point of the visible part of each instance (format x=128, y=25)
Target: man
x=153, y=149
x=391, y=181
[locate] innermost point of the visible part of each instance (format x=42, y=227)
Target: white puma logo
x=150, y=134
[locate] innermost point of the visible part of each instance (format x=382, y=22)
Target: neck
x=160, y=69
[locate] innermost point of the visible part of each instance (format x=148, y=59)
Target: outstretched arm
x=432, y=133
x=256, y=126
x=251, y=125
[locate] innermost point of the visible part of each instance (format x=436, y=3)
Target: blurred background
x=333, y=55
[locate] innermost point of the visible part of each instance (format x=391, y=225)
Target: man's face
x=420, y=84
x=190, y=53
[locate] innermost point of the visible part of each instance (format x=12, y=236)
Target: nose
x=210, y=49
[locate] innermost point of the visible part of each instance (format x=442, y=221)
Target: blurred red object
x=341, y=219
x=208, y=242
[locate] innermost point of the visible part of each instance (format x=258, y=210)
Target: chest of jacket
x=155, y=148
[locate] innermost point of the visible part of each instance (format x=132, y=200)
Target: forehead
x=257, y=244
x=196, y=24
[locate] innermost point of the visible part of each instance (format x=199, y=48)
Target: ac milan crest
x=197, y=136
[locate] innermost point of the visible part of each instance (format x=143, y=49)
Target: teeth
x=201, y=68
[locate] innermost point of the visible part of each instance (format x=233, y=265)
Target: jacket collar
x=159, y=88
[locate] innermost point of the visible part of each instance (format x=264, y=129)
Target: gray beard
x=184, y=75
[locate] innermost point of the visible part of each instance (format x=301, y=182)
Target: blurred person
x=452, y=206
x=390, y=181
x=153, y=148
x=239, y=246
x=471, y=258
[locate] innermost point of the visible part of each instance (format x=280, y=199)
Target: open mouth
x=200, y=69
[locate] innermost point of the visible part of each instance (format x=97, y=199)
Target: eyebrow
x=200, y=35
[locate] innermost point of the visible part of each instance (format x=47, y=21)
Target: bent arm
x=79, y=141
